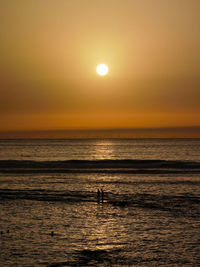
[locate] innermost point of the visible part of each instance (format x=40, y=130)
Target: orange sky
x=49, y=51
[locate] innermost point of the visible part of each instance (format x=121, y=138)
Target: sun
x=102, y=69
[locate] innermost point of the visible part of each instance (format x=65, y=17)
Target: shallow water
x=143, y=221
x=55, y=219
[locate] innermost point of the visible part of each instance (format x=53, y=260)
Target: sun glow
x=102, y=69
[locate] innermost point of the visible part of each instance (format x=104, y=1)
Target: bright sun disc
x=102, y=69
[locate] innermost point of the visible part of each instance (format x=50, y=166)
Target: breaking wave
x=99, y=166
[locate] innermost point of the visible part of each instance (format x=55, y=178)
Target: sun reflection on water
x=103, y=150
x=102, y=228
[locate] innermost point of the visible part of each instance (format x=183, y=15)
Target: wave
x=180, y=205
x=99, y=166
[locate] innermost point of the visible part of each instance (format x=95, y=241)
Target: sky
x=49, y=51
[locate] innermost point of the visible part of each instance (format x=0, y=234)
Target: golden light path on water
x=103, y=150
x=140, y=221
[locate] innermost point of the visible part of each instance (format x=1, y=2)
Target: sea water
x=150, y=216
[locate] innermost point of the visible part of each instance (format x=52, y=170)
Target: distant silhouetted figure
x=98, y=195
x=52, y=233
x=102, y=195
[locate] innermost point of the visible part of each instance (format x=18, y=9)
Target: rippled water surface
x=166, y=149
x=55, y=219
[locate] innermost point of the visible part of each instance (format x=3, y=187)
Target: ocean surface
x=148, y=215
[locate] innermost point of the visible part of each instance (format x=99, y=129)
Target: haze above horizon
x=50, y=51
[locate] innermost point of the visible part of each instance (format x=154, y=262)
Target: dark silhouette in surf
x=98, y=195
x=52, y=233
x=102, y=195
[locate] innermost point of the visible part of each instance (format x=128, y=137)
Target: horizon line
x=106, y=133
x=101, y=129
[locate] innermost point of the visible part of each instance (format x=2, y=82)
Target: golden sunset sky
x=49, y=51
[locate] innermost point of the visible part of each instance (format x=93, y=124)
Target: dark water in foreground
x=150, y=216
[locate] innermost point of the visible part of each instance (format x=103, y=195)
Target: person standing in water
x=98, y=195
x=102, y=195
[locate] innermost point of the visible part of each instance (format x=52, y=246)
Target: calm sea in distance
x=147, y=212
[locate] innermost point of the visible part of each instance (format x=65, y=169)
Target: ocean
x=148, y=214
